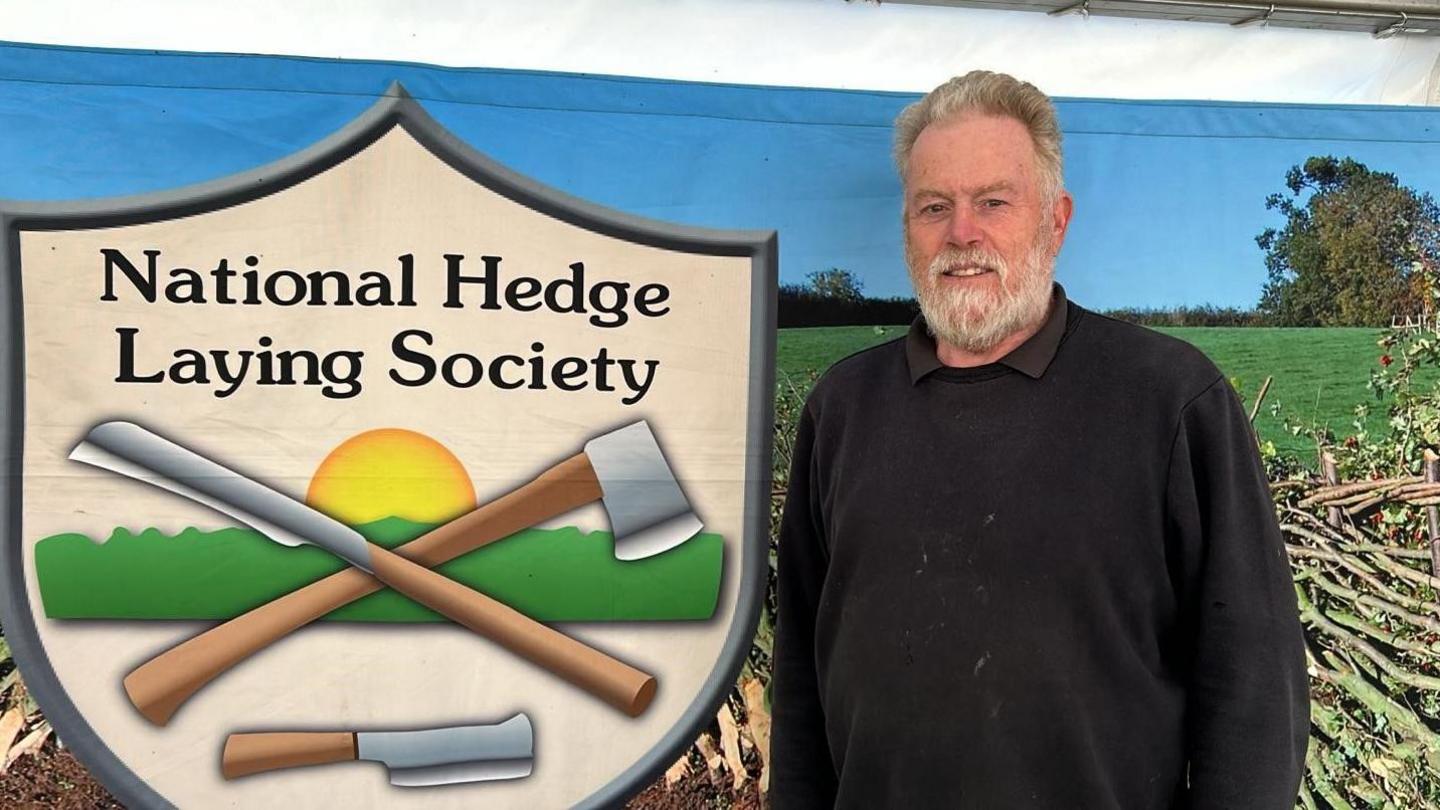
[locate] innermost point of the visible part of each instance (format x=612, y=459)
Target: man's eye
x=993, y=203
x=933, y=208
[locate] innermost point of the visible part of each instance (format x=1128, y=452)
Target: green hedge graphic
x=548, y=574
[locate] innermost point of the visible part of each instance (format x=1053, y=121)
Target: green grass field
x=548, y=574
x=1319, y=374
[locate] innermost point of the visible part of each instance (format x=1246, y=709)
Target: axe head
x=648, y=512
x=449, y=756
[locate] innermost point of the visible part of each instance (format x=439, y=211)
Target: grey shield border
x=395, y=108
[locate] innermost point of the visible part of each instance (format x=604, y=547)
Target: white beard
x=977, y=320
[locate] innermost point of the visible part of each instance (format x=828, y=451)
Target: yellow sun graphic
x=391, y=472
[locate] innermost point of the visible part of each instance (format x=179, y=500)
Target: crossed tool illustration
x=624, y=469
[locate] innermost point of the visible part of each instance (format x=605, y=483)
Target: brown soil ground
x=56, y=781
x=697, y=792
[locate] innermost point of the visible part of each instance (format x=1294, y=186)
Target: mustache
x=953, y=258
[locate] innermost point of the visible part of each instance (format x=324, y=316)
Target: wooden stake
x=1332, y=477
x=1259, y=398
x=1432, y=513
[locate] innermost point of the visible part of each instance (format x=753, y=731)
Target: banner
x=348, y=304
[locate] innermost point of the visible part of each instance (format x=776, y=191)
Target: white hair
x=994, y=94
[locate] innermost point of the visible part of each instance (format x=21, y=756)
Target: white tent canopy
x=810, y=43
x=1381, y=18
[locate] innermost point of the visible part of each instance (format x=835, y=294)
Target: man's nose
x=965, y=228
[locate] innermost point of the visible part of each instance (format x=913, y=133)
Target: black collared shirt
x=1052, y=581
x=1030, y=358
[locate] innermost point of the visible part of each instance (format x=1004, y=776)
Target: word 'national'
x=607, y=303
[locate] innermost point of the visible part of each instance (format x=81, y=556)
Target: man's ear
x=1064, y=207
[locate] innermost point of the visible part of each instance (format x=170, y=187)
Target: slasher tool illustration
x=623, y=469
x=438, y=756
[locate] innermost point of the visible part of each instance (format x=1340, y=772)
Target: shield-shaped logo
x=383, y=453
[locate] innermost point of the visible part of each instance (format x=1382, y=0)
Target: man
x=1028, y=557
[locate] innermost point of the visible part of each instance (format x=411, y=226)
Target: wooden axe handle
x=269, y=751
x=617, y=683
x=159, y=686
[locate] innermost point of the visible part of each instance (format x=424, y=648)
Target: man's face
x=980, y=239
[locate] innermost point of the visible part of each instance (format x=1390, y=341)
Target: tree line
x=835, y=297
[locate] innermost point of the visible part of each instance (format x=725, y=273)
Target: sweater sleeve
x=1247, y=711
x=802, y=774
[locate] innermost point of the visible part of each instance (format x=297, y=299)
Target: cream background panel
x=393, y=198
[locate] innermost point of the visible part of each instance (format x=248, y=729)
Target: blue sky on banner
x=1170, y=194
